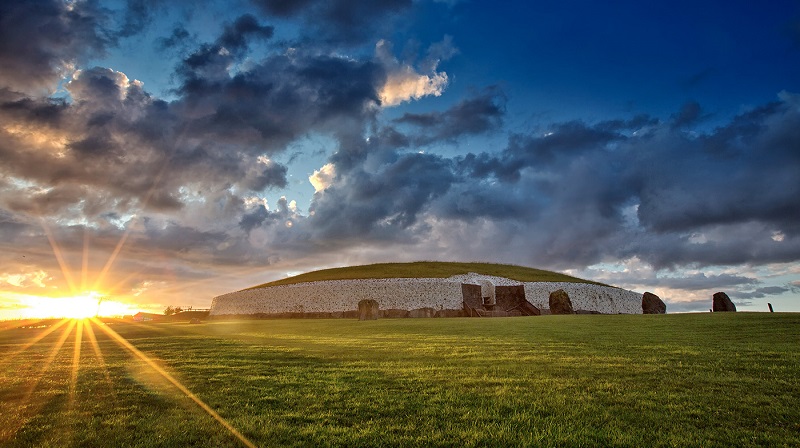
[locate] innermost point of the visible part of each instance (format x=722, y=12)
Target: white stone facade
x=412, y=293
x=585, y=296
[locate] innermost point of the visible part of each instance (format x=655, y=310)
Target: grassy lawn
x=725, y=379
x=428, y=269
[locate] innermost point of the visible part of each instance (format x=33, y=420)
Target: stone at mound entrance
x=368, y=309
x=560, y=303
x=652, y=304
x=722, y=303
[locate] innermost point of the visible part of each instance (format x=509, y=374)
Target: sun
x=81, y=306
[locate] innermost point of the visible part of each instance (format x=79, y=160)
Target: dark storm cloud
x=261, y=216
x=702, y=281
x=337, y=21
x=175, y=238
x=136, y=16
x=577, y=193
x=744, y=171
x=271, y=175
x=10, y=226
x=176, y=39
x=278, y=99
x=190, y=168
x=117, y=145
x=39, y=38
x=766, y=291
x=689, y=115
x=212, y=60
x=119, y=142
x=46, y=112
x=254, y=218
x=235, y=35
x=477, y=115
x=384, y=202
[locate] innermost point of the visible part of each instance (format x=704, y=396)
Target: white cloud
x=255, y=201
x=403, y=82
x=26, y=279
x=323, y=177
x=79, y=89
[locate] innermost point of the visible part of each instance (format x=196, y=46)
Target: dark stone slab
x=472, y=295
x=560, y=303
x=368, y=309
x=652, y=304
x=722, y=303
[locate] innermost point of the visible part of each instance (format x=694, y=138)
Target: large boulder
x=652, y=304
x=560, y=303
x=722, y=303
x=368, y=309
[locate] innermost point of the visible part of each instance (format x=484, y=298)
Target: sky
x=157, y=153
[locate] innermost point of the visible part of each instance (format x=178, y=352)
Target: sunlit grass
x=428, y=269
x=672, y=380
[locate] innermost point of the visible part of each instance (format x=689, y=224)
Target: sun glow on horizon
x=88, y=304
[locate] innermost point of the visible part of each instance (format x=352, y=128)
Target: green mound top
x=427, y=269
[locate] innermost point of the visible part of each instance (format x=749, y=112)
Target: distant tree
x=169, y=311
x=178, y=309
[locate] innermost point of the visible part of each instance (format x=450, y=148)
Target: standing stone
x=722, y=303
x=560, y=303
x=488, y=292
x=652, y=304
x=368, y=309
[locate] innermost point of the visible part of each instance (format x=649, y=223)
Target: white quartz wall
x=585, y=296
x=412, y=293
x=342, y=295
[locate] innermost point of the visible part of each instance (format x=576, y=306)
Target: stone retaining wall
x=410, y=294
x=587, y=297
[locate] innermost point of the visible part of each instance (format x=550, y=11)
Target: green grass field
x=428, y=269
x=724, y=379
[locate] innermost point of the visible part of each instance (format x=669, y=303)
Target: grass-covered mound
x=428, y=269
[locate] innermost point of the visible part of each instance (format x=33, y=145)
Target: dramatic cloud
x=579, y=194
x=42, y=40
x=323, y=177
x=760, y=293
x=482, y=113
x=390, y=154
x=337, y=21
x=403, y=82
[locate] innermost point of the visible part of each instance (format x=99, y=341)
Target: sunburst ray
x=59, y=256
x=50, y=358
x=76, y=360
x=124, y=343
x=8, y=358
x=98, y=353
